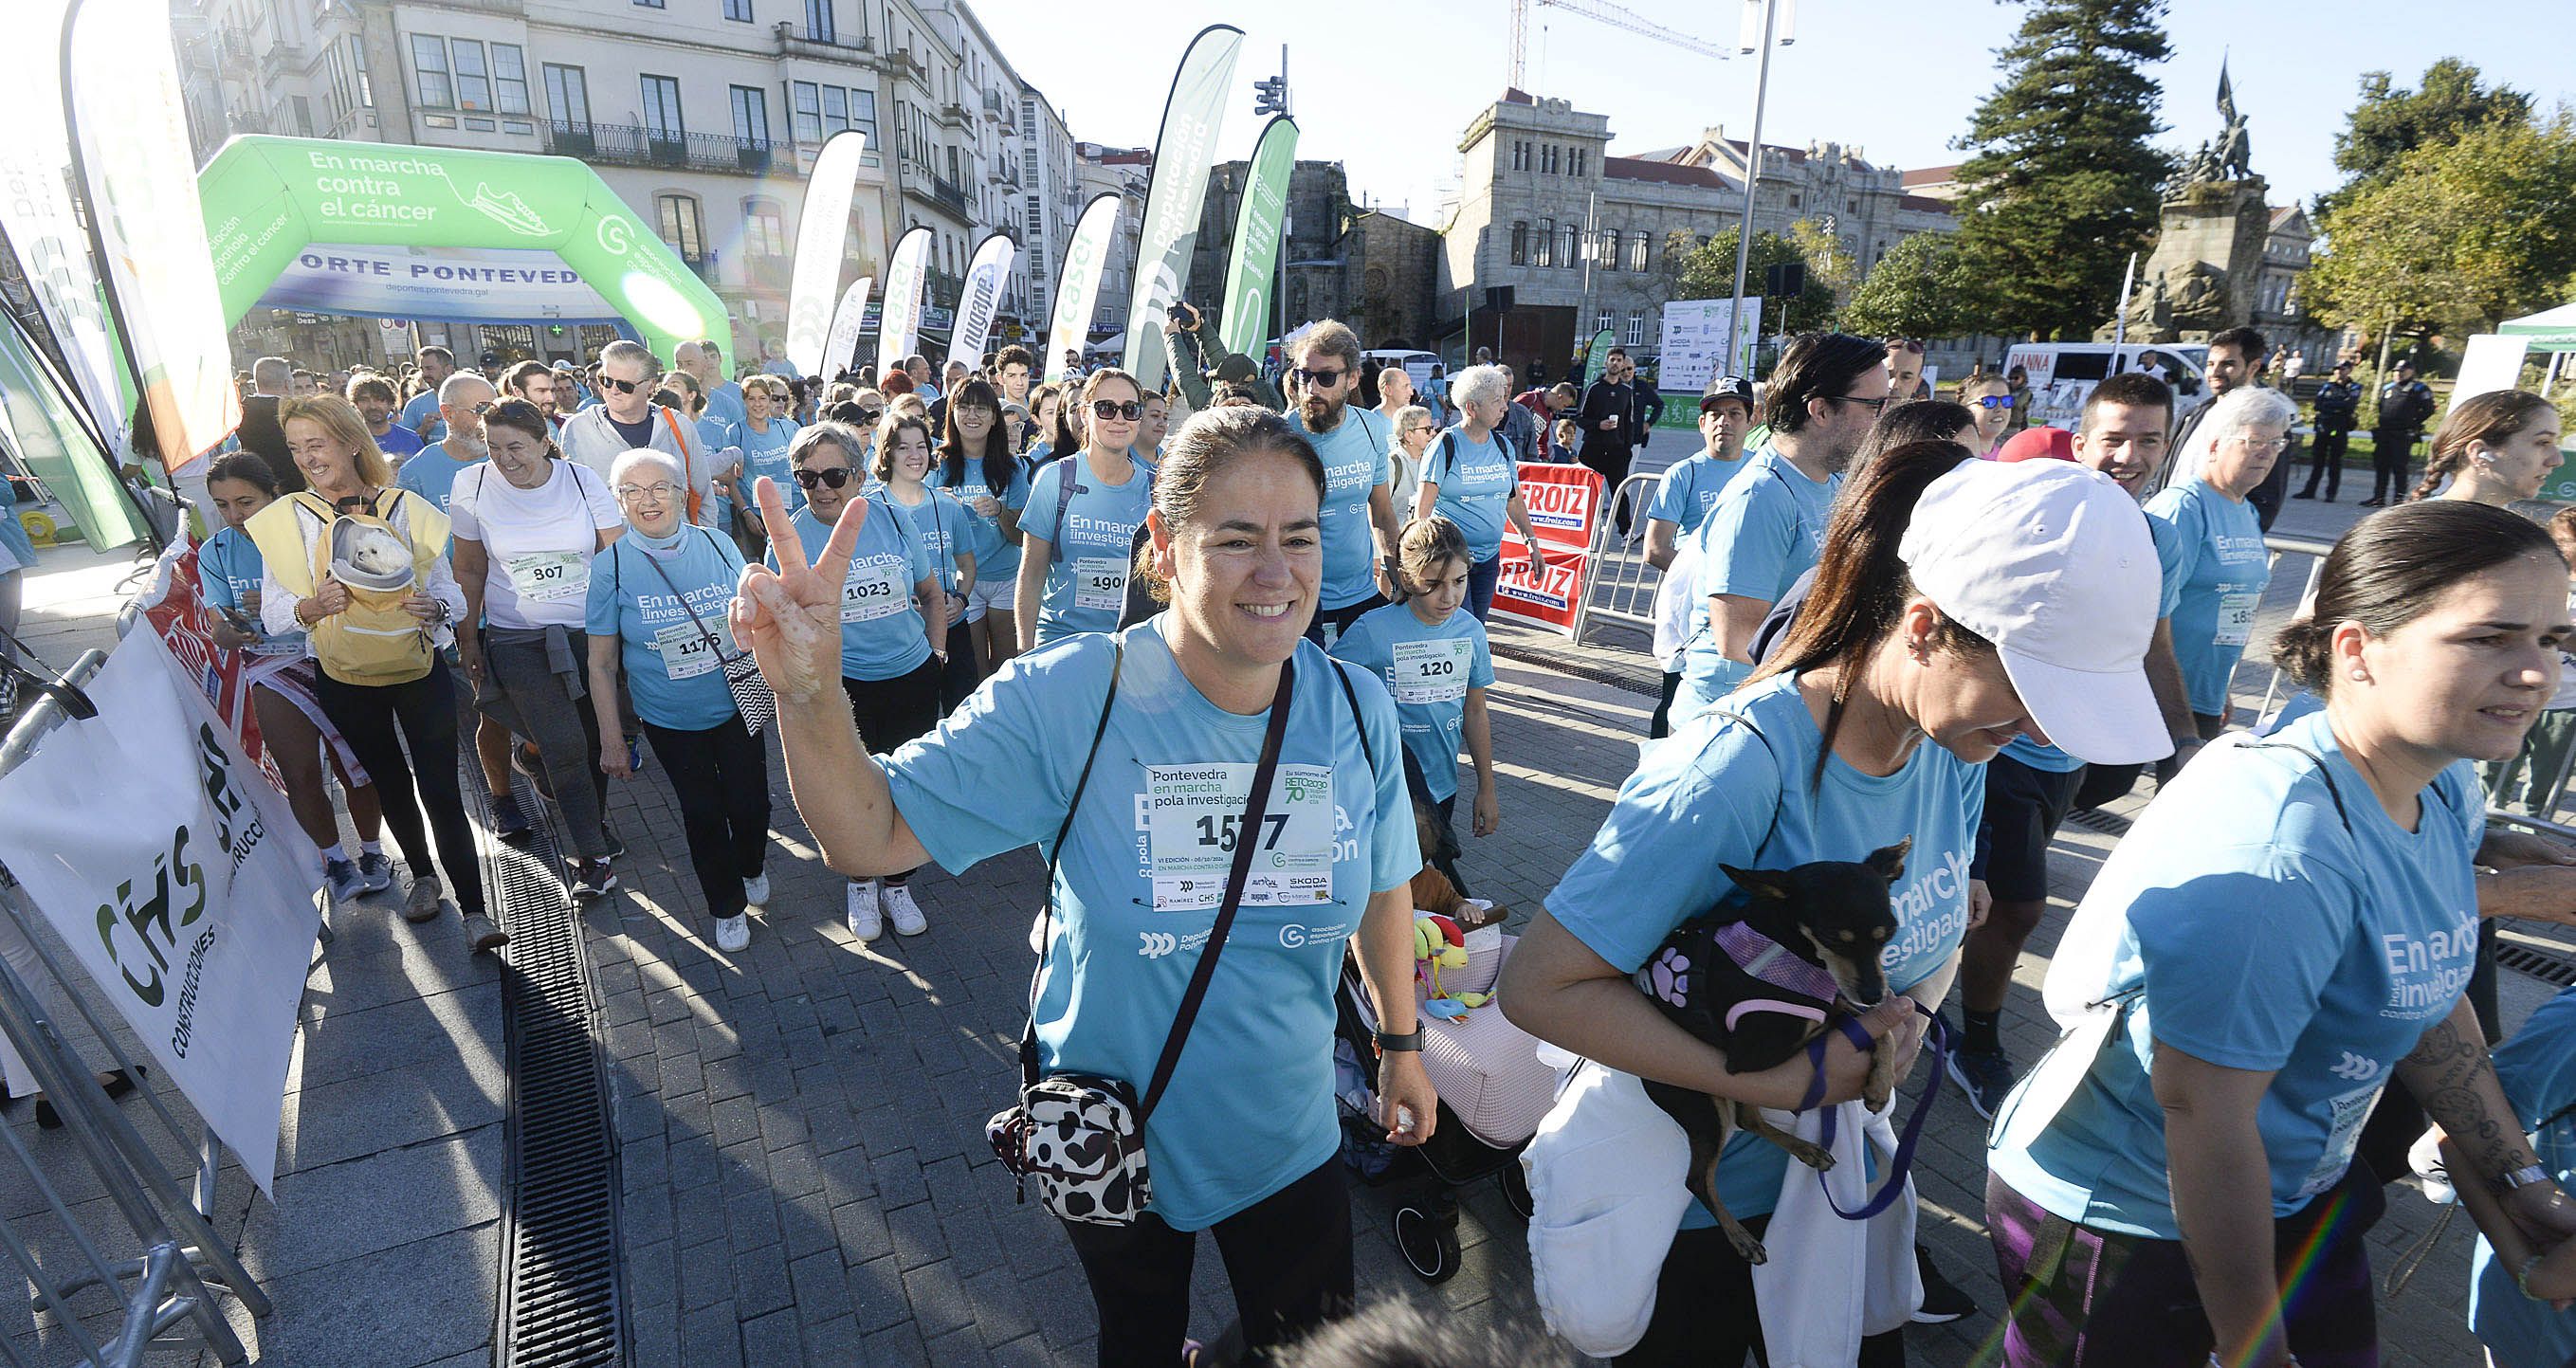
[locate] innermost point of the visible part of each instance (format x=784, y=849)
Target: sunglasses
x=1873, y=405
x=1111, y=410
x=621, y=386
x=2001, y=401
x=1320, y=379
x=831, y=477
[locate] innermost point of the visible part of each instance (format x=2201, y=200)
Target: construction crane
x=1607, y=13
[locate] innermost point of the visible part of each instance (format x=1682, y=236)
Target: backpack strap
x=1055, y=856
x=1350, y=695
x=1064, y=492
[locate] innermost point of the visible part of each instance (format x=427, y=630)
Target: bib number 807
x=1220, y=832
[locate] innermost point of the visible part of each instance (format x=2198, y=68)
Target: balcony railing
x=953, y=114
x=630, y=145
x=947, y=194
x=903, y=63
x=794, y=42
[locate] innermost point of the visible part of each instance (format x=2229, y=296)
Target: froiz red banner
x=1564, y=503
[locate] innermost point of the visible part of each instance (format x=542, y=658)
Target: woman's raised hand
x=790, y=618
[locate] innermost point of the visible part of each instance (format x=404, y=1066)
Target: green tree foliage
x=1826, y=259
x=2460, y=235
x=2062, y=183
x=1709, y=273
x=1921, y=288
x=2389, y=123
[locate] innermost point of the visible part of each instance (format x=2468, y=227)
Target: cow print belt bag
x=1081, y=1137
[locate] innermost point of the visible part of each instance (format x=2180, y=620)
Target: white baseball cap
x=2053, y=564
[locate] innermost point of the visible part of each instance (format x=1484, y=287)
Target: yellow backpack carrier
x=374, y=642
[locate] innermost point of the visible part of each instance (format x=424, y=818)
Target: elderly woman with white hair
x=1471, y=476
x=2211, y=543
x=657, y=603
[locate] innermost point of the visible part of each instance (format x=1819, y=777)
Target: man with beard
x=431, y=472
x=1612, y=424
x=704, y=362
x=373, y=397
x=1359, y=509
x=421, y=414
x=627, y=418
x=530, y=380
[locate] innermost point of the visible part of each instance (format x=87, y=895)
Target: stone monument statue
x=2202, y=276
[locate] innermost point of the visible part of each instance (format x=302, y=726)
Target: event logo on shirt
x=2426, y=973
x=2233, y=549
x=2357, y=1068
x=1943, y=887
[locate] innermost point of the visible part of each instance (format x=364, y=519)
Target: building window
x=429, y=68
x=1637, y=252
x=568, y=95
x=738, y=9
x=650, y=4
x=662, y=109
x=751, y=115
x=818, y=22
x=1601, y=322
x=1579, y=155
x=764, y=228
x=1567, y=257
x=1636, y=330
x=1546, y=244
x=1609, y=249
x=681, y=226
x=1520, y=243
x=1520, y=154
x=473, y=79
x=805, y=111
x=509, y=78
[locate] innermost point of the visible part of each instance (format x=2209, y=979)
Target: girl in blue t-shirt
x=1175, y=711
x=889, y=596
x=949, y=533
x=656, y=608
x=977, y=465
x=2280, y=936
x=1869, y=725
x=280, y=671
x=1084, y=509
x=2211, y=545
x=1435, y=661
x=1471, y=476
x=765, y=434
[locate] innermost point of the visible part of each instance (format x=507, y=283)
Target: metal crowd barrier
x=180, y=1263
x=1619, y=586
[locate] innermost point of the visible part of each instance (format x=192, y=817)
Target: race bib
x=2236, y=616
x=2346, y=1115
x=549, y=576
x=1432, y=671
x=873, y=589
x=1100, y=582
x=687, y=651
x=1192, y=817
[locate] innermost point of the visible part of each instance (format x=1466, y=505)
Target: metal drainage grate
x=1599, y=674
x=561, y=1303
x=2103, y=820
x=2547, y=966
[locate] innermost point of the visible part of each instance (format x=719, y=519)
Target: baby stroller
x=1493, y=1093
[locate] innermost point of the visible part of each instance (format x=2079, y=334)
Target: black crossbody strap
x=1358, y=724
x=1055, y=854
x=1245, y=840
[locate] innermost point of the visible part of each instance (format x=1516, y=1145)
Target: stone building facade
x=1372, y=270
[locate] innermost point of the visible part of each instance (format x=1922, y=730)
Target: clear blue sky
x=1386, y=88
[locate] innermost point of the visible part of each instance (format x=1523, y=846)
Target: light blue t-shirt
x=724, y=404
x=673, y=669
x=1715, y=793
x=1354, y=456
x=228, y=571
x=714, y=435
x=2537, y=1067
x=1477, y=481
x=882, y=634
x=2263, y=931
x=431, y=473
x=2039, y=757
x=421, y=409
x=1086, y=584
x=398, y=443
x=14, y=541
x=945, y=529
x=1250, y=1106
x=1429, y=671
x=765, y=453
x=2215, y=572
x=997, y=561
x=1764, y=531
x=1691, y=487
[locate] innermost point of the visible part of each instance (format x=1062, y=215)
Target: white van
x=2062, y=374
x=1417, y=364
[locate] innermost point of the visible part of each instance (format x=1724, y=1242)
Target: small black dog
x=1761, y=976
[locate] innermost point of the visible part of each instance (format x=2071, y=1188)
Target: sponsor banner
x=1595, y=357
x=1077, y=286
x=1258, y=229
x=905, y=274
x=1183, y=152
x=174, y=605
x=980, y=296
x=848, y=320
x=131, y=151
x=51, y=246
x=822, y=237
x=1548, y=600
x=1564, y=503
x=38, y=413
x=1695, y=337
x=192, y=912
x=456, y=284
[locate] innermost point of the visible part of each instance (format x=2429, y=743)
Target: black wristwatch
x=1410, y=1040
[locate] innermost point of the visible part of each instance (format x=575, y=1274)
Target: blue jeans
x=1480, y=584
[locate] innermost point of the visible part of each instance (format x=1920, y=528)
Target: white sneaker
x=755, y=890
x=899, y=905
x=733, y=933
x=865, y=921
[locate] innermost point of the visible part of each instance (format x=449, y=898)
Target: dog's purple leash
x=1936, y=1036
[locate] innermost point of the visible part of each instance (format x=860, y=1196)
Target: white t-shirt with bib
x=539, y=541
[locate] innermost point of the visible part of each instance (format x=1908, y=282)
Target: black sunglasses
x=1873, y=405
x=621, y=386
x=1323, y=379
x=1109, y=409
x=830, y=478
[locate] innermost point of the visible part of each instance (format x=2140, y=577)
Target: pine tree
x=2063, y=183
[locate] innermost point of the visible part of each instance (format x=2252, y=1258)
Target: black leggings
x=1704, y=1309
x=1288, y=1256
x=721, y=777
x=892, y=711
x=425, y=711
x=958, y=680
x=1661, y=724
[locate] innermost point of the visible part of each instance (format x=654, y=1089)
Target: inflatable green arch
x=270, y=201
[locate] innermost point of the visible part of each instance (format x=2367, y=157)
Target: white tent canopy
x=2548, y=330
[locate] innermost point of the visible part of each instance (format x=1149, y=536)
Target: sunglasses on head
x=621, y=386
x=1320, y=379
x=831, y=477
x=1108, y=410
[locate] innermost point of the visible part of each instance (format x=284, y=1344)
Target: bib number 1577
x=1220, y=832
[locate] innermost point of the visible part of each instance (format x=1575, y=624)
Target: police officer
x=2338, y=399
x=2404, y=404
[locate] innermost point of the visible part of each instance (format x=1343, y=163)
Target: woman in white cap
x=2290, y=926
x=2003, y=601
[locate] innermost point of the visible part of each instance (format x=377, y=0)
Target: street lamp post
x=1752, y=180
